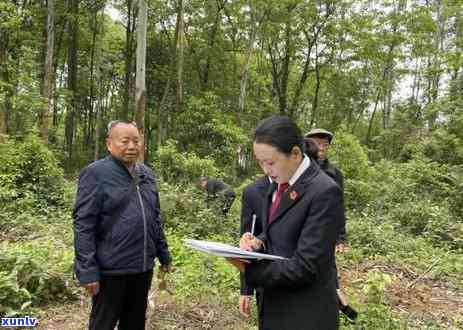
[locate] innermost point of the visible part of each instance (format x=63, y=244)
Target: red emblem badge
x=293, y=195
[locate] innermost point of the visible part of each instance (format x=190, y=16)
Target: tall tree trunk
x=204, y=74
x=317, y=91
x=160, y=111
x=435, y=61
x=97, y=103
x=283, y=96
x=159, y=139
x=281, y=66
x=5, y=107
x=90, y=129
x=47, y=91
x=372, y=118
x=388, y=102
x=140, y=84
x=317, y=29
x=304, y=75
x=387, y=71
x=98, y=111
x=72, y=104
x=247, y=62
x=129, y=31
x=180, y=46
x=416, y=83
x=60, y=29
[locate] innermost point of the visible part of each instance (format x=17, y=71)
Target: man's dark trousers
x=121, y=298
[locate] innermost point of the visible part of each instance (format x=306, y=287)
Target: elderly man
x=322, y=139
x=118, y=232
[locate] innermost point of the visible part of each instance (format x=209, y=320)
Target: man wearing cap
x=323, y=138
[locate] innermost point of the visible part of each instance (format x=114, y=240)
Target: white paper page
x=225, y=250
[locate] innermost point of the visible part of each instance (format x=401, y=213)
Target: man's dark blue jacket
x=110, y=239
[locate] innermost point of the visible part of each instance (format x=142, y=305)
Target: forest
x=386, y=76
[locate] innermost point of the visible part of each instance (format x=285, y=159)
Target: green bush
x=425, y=218
x=186, y=167
x=30, y=167
x=208, y=130
x=349, y=155
x=409, y=181
x=358, y=194
x=456, y=198
x=443, y=147
x=196, y=271
x=184, y=210
x=33, y=273
x=13, y=298
x=378, y=237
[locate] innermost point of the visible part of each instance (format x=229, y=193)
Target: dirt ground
x=416, y=297
x=163, y=313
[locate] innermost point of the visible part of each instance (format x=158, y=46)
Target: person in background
x=323, y=140
x=311, y=148
x=118, y=232
x=217, y=190
x=252, y=202
x=318, y=141
x=299, y=223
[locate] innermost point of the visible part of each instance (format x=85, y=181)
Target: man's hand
x=245, y=305
x=342, y=298
x=163, y=270
x=249, y=242
x=92, y=288
x=166, y=268
x=341, y=247
x=238, y=263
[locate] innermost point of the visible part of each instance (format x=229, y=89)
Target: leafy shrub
x=12, y=297
x=443, y=147
x=33, y=273
x=456, y=198
x=358, y=194
x=369, y=237
x=175, y=166
x=418, y=197
x=209, y=131
x=196, y=271
x=406, y=182
x=375, y=286
x=184, y=211
x=375, y=316
x=374, y=236
x=30, y=167
x=426, y=218
x=350, y=156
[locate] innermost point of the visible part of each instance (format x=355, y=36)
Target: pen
x=253, y=224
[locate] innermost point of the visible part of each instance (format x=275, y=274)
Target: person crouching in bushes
x=217, y=190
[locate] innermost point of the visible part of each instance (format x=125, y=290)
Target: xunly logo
x=25, y=321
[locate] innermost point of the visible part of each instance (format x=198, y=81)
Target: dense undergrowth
x=407, y=214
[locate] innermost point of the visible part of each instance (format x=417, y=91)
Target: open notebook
x=225, y=250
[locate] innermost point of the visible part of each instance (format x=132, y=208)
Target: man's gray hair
x=114, y=123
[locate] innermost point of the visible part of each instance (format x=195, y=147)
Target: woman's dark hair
x=311, y=148
x=279, y=132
